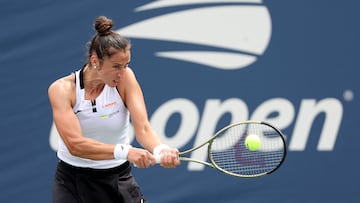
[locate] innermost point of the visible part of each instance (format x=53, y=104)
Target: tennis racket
x=227, y=151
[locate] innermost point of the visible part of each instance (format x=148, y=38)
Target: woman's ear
x=94, y=60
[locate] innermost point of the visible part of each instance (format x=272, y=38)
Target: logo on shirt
x=110, y=104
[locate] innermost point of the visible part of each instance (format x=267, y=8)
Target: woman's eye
x=120, y=66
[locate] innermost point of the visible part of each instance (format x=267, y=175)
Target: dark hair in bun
x=106, y=42
x=103, y=25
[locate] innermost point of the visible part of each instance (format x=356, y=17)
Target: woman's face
x=113, y=68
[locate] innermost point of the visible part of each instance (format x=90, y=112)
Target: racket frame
x=213, y=164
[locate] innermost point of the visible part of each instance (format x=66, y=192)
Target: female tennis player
x=91, y=110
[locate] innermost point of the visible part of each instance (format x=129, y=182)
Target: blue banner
x=202, y=64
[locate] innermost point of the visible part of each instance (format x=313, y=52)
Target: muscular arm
x=61, y=95
x=134, y=100
x=145, y=135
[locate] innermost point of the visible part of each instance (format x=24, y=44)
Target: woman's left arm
x=145, y=135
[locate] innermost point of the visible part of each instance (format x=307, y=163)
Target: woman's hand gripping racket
x=246, y=149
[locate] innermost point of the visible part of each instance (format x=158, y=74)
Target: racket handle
x=158, y=159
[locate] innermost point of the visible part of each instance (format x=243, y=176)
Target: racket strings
x=229, y=153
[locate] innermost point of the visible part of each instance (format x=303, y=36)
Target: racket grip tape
x=158, y=159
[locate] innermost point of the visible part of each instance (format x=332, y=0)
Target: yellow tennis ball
x=252, y=142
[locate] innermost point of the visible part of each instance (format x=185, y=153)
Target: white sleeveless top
x=105, y=119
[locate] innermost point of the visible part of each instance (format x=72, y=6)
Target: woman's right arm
x=62, y=96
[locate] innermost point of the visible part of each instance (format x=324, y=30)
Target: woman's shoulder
x=63, y=85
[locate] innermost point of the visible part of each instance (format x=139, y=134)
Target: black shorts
x=85, y=185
